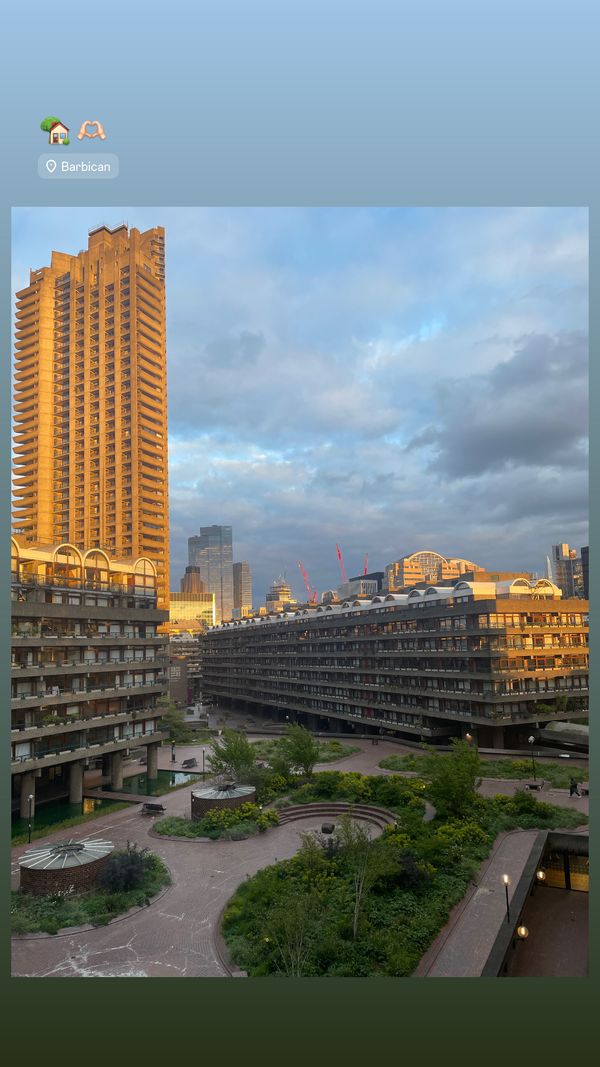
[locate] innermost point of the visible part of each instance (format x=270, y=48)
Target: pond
x=48, y=814
x=138, y=784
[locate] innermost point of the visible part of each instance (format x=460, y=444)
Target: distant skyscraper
x=279, y=595
x=91, y=400
x=192, y=581
x=567, y=570
x=212, y=552
x=585, y=571
x=242, y=590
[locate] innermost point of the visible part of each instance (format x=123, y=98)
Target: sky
x=386, y=379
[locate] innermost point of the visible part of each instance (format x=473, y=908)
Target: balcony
x=81, y=751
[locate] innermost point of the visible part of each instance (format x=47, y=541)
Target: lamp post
x=532, y=742
x=172, y=752
x=30, y=800
x=203, y=755
x=506, y=880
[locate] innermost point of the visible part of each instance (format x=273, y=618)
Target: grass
x=20, y=837
x=295, y=918
x=329, y=751
x=50, y=914
x=557, y=775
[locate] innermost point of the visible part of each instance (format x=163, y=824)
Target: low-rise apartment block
x=491, y=659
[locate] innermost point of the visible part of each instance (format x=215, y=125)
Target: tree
x=233, y=755
x=288, y=928
x=174, y=721
x=47, y=123
x=300, y=748
x=361, y=860
x=453, y=778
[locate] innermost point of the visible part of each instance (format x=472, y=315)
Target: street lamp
x=30, y=800
x=172, y=752
x=203, y=755
x=532, y=742
x=506, y=880
x=522, y=933
x=541, y=876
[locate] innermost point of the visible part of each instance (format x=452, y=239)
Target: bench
x=153, y=809
x=187, y=764
x=538, y=784
x=584, y=789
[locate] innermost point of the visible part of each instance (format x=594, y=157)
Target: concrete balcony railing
x=83, y=751
x=22, y=732
x=70, y=696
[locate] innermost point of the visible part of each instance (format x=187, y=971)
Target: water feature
x=138, y=784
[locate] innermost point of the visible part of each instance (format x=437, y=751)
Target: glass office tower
x=212, y=552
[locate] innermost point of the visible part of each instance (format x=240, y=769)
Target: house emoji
x=58, y=133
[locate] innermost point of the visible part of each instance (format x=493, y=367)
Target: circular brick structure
x=227, y=796
x=67, y=867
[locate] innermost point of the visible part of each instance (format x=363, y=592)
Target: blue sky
x=389, y=379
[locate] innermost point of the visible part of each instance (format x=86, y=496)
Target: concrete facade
x=488, y=659
x=88, y=666
x=91, y=464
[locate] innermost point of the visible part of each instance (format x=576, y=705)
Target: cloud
x=388, y=379
x=530, y=410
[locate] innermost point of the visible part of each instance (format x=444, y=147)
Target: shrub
x=125, y=870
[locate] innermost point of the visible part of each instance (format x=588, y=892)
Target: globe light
x=522, y=932
x=540, y=875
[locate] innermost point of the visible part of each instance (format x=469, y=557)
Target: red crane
x=312, y=593
x=366, y=570
x=342, y=568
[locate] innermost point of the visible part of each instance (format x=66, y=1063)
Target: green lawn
x=296, y=918
x=49, y=914
x=556, y=774
x=329, y=751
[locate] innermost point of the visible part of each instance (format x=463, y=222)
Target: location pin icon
x=51, y=165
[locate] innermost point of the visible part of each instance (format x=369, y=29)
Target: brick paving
x=176, y=936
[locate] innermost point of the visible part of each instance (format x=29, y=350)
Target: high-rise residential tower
x=242, y=590
x=90, y=462
x=212, y=552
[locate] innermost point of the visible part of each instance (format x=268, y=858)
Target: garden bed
x=51, y=914
x=230, y=824
x=296, y=918
x=501, y=768
x=329, y=751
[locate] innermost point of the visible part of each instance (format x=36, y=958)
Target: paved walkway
x=177, y=935
x=462, y=948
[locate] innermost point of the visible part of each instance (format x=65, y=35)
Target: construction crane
x=366, y=570
x=342, y=568
x=312, y=593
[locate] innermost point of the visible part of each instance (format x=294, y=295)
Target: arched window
x=145, y=577
x=96, y=569
x=66, y=565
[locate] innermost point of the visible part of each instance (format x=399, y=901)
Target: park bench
x=584, y=789
x=153, y=809
x=538, y=784
x=187, y=764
